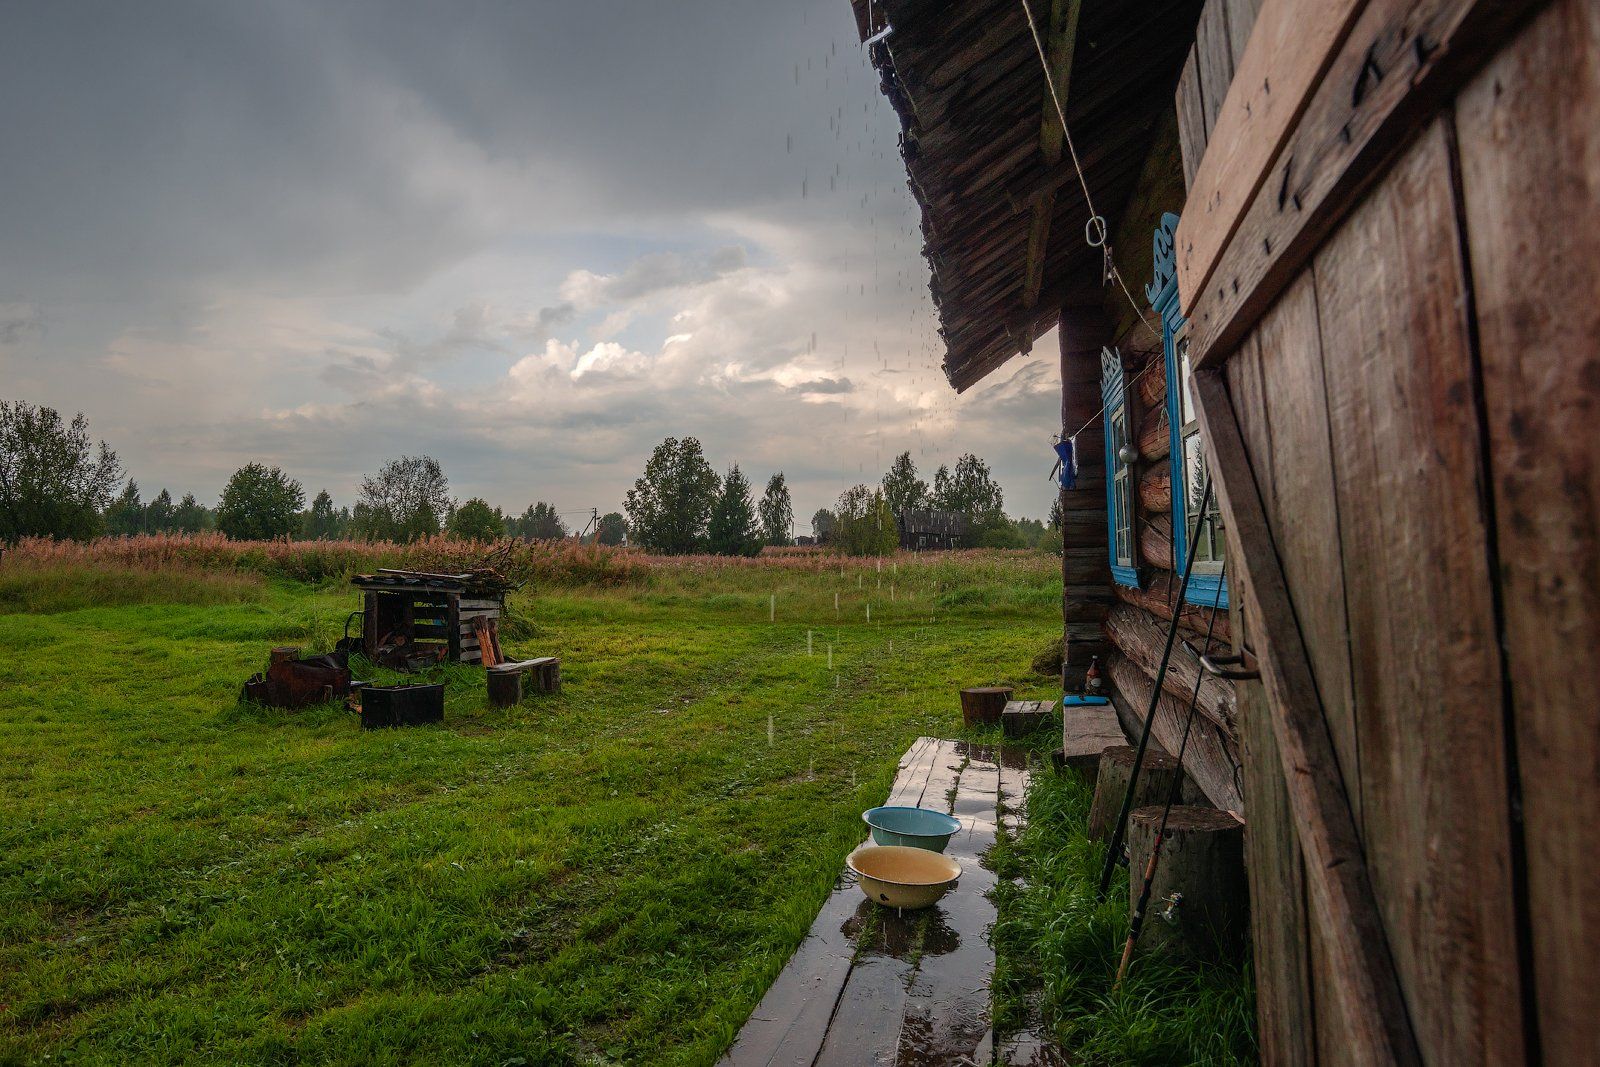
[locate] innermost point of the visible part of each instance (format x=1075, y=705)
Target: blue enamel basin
x=916, y=827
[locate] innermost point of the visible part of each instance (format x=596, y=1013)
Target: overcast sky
x=528, y=238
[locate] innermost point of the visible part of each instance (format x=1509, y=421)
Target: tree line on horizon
x=56, y=482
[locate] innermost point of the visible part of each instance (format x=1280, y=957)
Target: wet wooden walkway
x=868, y=986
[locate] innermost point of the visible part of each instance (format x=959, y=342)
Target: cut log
x=1116, y=767
x=1155, y=439
x=505, y=687
x=1155, y=541
x=1159, y=595
x=1151, y=386
x=1155, y=489
x=983, y=705
x=1141, y=636
x=1212, y=759
x=547, y=675
x=1199, y=900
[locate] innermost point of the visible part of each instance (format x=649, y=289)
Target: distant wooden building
x=411, y=619
x=924, y=529
x=1357, y=272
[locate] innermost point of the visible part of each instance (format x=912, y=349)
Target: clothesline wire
x=1088, y=200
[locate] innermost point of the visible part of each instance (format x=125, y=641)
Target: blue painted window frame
x=1113, y=393
x=1205, y=588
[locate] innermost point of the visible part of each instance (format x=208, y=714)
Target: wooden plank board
x=1366, y=989
x=788, y=1026
x=1276, y=381
x=1290, y=47
x=1088, y=730
x=912, y=776
x=1241, y=20
x=1214, y=54
x=871, y=986
x=1289, y=951
x=1279, y=916
x=1014, y=792
x=946, y=1015
x=1243, y=238
x=1191, y=119
x=867, y=1023
x=1530, y=180
x=1392, y=300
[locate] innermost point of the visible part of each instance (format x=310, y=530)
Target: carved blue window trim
x=1121, y=511
x=1205, y=587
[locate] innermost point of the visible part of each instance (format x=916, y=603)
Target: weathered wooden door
x=1400, y=413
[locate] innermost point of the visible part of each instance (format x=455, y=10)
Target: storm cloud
x=529, y=239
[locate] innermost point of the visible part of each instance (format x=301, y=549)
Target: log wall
x=1132, y=630
x=1411, y=365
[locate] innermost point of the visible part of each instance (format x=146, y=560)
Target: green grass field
x=611, y=875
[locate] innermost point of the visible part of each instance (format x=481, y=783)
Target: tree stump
x=284, y=653
x=1111, y=784
x=547, y=676
x=1199, y=901
x=505, y=688
x=983, y=705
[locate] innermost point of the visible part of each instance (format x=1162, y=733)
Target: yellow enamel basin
x=899, y=876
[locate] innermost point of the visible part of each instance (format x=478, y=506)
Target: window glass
x=1183, y=370
x=1121, y=490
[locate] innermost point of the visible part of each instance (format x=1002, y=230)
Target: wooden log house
x=1357, y=274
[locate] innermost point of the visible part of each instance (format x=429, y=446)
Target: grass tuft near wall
x=1058, y=948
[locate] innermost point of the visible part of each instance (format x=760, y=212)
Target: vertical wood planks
x=1191, y=119
x=1295, y=472
x=1215, y=54
x=1365, y=988
x=1278, y=915
x=1286, y=1004
x=1241, y=20
x=1277, y=378
x=1427, y=680
x=1290, y=46
x=1530, y=178
x=1220, y=37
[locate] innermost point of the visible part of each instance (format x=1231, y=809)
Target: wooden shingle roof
x=1003, y=216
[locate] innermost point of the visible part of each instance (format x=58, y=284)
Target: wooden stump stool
x=505, y=687
x=1111, y=784
x=547, y=674
x=1199, y=901
x=542, y=675
x=1021, y=717
x=983, y=705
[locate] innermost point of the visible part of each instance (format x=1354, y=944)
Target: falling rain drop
x=769, y=729
x=808, y=642
x=830, y=657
